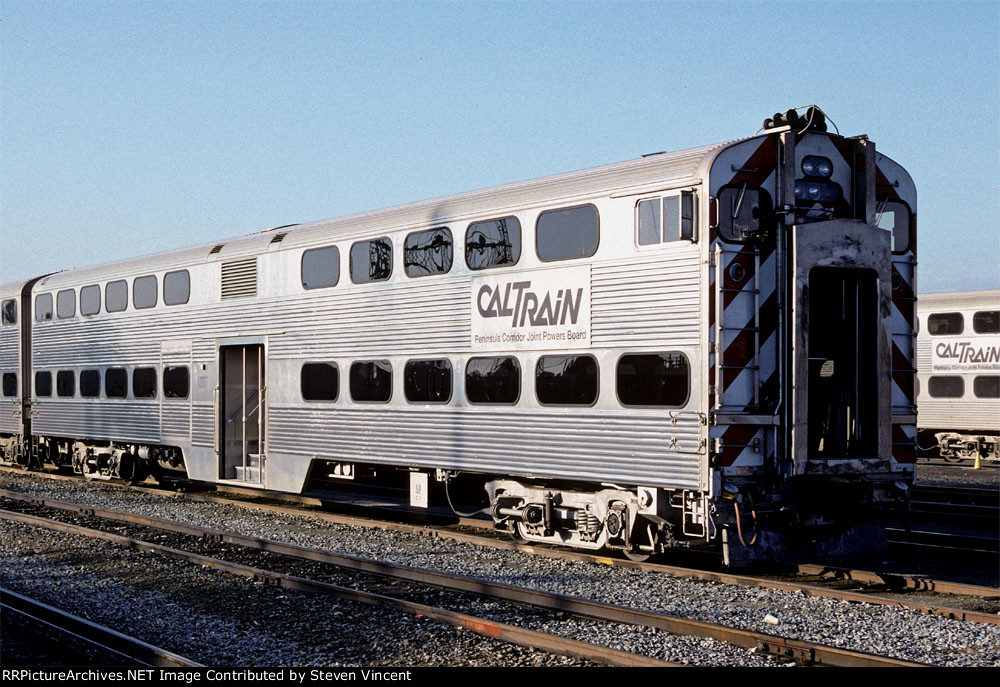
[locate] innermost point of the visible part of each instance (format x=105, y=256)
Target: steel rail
x=91, y=633
x=801, y=651
x=480, y=626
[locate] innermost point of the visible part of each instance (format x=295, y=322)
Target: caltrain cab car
x=958, y=356
x=712, y=347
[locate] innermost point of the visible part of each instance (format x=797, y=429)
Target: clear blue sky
x=129, y=128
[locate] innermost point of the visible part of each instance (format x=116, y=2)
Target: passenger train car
x=713, y=346
x=958, y=358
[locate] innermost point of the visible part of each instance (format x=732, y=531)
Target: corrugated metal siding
x=958, y=413
x=120, y=420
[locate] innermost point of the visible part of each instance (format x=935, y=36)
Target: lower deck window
x=566, y=380
x=371, y=381
x=946, y=387
x=43, y=384
x=493, y=380
x=986, y=386
x=319, y=382
x=9, y=384
x=66, y=383
x=653, y=379
x=144, y=382
x=427, y=381
x=176, y=382
x=90, y=384
x=115, y=382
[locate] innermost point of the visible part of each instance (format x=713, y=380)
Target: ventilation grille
x=239, y=278
x=277, y=237
x=216, y=249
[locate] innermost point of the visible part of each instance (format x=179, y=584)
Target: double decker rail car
x=708, y=347
x=958, y=357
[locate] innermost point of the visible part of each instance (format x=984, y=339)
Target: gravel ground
x=863, y=627
x=945, y=474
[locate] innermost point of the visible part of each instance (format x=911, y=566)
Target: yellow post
x=978, y=464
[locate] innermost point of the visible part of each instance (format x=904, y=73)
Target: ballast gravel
x=870, y=628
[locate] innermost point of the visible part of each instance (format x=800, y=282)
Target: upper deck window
x=428, y=252
x=986, y=322
x=43, y=307
x=144, y=292
x=744, y=212
x=116, y=296
x=9, y=311
x=942, y=323
x=66, y=304
x=665, y=219
x=90, y=300
x=371, y=261
x=567, y=233
x=321, y=267
x=895, y=217
x=493, y=243
x=176, y=287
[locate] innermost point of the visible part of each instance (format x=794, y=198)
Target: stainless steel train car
x=958, y=358
x=713, y=346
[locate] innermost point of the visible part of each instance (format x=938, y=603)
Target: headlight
x=817, y=191
x=816, y=166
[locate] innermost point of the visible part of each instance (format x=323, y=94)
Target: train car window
x=427, y=381
x=371, y=261
x=9, y=311
x=116, y=296
x=744, y=213
x=371, y=381
x=144, y=382
x=66, y=304
x=43, y=307
x=493, y=243
x=567, y=233
x=176, y=382
x=665, y=219
x=493, y=380
x=321, y=267
x=428, y=252
x=320, y=382
x=986, y=322
x=946, y=387
x=895, y=217
x=90, y=384
x=66, y=383
x=176, y=287
x=566, y=380
x=943, y=323
x=144, y=292
x=43, y=384
x=648, y=221
x=90, y=300
x=116, y=382
x=653, y=379
x=986, y=386
x=9, y=384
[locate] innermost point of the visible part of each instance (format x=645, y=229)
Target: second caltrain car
x=714, y=346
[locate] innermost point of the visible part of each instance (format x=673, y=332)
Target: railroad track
x=79, y=640
x=409, y=586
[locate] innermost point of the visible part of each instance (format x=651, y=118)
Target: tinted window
x=321, y=267
x=10, y=311
x=371, y=261
x=986, y=322
x=371, y=381
x=144, y=292
x=946, y=387
x=43, y=307
x=176, y=382
x=43, y=384
x=493, y=243
x=428, y=252
x=9, y=384
x=986, y=386
x=116, y=296
x=66, y=383
x=567, y=233
x=176, y=288
x=144, y=382
x=427, y=381
x=566, y=380
x=66, y=303
x=895, y=217
x=653, y=379
x=744, y=212
x=115, y=383
x=90, y=300
x=493, y=380
x=945, y=323
x=320, y=382
x=90, y=384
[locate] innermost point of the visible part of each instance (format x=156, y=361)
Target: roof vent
x=239, y=278
x=277, y=237
x=216, y=249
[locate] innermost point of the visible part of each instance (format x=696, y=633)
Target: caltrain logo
x=524, y=306
x=966, y=352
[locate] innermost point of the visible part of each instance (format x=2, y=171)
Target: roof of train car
x=636, y=175
x=958, y=299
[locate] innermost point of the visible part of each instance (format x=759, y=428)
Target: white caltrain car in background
x=958, y=358
x=713, y=346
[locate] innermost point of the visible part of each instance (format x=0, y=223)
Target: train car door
x=241, y=401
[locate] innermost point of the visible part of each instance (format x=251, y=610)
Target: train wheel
x=637, y=555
